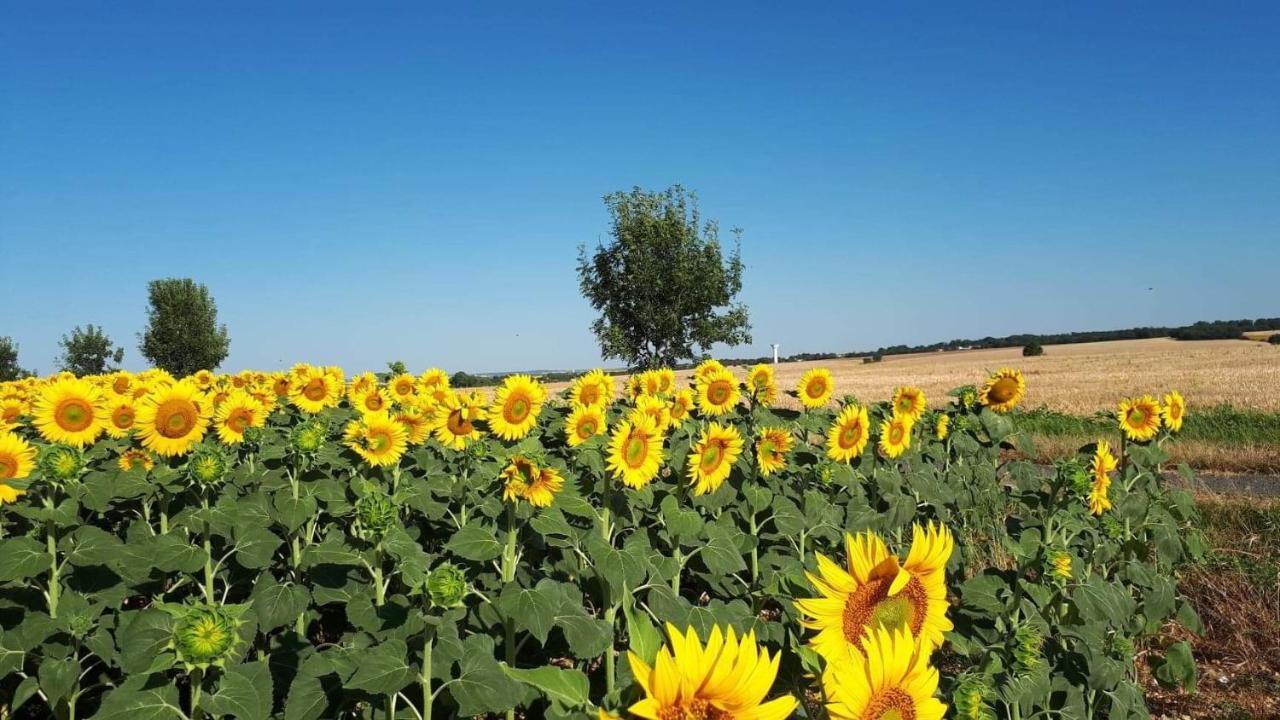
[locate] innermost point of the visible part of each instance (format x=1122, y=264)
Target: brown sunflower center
x=896, y=432
x=8, y=466
x=589, y=394
x=120, y=385
x=816, y=388
x=11, y=413
x=1137, y=417
x=891, y=704
x=696, y=709
x=516, y=410
x=239, y=420
x=1175, y=411
x=457, y=424
x=73, y=414
x=373, y=401
x=712, y=456
x=586, y=428
x=870, y=606
x=379, y=440
x=176, y=418
x=315, y=390
x=850, y=435
x=1003, y=390
x=718, y=392
x=403, y=388
x=122, y=417
x=635, y=451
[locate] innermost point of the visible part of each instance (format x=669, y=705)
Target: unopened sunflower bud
x=61, y=463
x=1028, y=640
x=207, y=467
x=375, y=515
x=446, y=586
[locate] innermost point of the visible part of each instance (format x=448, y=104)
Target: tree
x=183, y=334
x=1032, y=349
x=88, y=351
x=663, y=287
x=9, y=368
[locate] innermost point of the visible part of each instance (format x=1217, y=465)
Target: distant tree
x=9, y=368
x=462, y=379
x=1032, y=349
x=183, y=334
x=89, y=351
x=664, y=288
x=1274, y=339
x=397, y=367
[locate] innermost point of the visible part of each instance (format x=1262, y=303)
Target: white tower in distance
x=775, y=353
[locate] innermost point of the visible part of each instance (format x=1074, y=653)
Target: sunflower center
x=314, y=390
x=1003, y=390
x=586, y=428
x=895, y=434
x=891, y=704
x=123, y=418
x=10, y=413
x=1137, y=417
x=718, y=392
x=696, y=709
x=870, y=606
x=635, y=451
x=517, y=410
x=239, y=421
x=712, y=456
x=373, y=402
x=379, y=440
x=8, y=467
x=850, y=435
x=457, y=424
x=1175, y=411
x=816, y=388
x=74, y=415
x=176, y=418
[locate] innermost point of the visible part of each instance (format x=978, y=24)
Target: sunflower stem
x=508, y=576
x=426, y=676
x=208, y=551
x=51, y=542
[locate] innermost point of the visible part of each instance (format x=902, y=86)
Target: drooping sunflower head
x=635, y=451
x=594, y=389
x=236, y=414
x=1139, y=418
x=61, y=463
x=727, y=678
x=136, y=458
x=526, y=480
x=1060, y=564
x=815, y=388
x=1173, y=410
x=207, y=466
x=205, y=635
x=876, y=590
x=711, y=459
x=970, y=696
x=516, y=477
x=762, y=384
x=717, y=392
x=847, y=437
x=909, y=402
x=889, y=679
x=376, y=438
x=173, y=418
x=70, y=411
x=584, y=422
x=516, y=405
x=1101, y=466
x=941, y=426
x=1003, y=390
x=895, y=436
x=772, y=446
x=17, y=459
x=1028, y=646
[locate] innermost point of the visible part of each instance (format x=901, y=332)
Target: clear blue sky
x=360, y=182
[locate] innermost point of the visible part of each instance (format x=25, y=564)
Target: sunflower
x=203, y=379
x=635, y=451
x=11, y=411
x=416, y=422
x=1172, y=411
x=524, y=480
x=712, y=457
x=121, y=414
x=941, y=424
x=433, y=379
x=173, y=418
x=655, y=408
x=874, y=591
x=680, y=406
x=1139, y=418
x=373, y=399
x=717, y=392
x=376, y=438
x=1003, y=390
x=706, y=368
x=135, y=458
x=359, y=385
x=594, y=389
x=402, y=387
x=239, y=412
x=650, y=383
x=1060, y=561
x=666, y=378
x=584, y=422
x=17, y=458
x=727, y=678
x=908, y=401
x=70, y=411
x=895, y=436
x=891, y=678
x=1101, y=466
x=314, y=390
x=815, y=388
x=516, y=404
x=847, y=436
x=762, y=384
x=121, y=383
x=281, y=384
x=456, y=417
x=771, y=449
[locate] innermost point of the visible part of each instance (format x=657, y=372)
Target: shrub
x=1274, y=339
x=1032, y=350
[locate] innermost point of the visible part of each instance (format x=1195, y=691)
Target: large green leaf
x=566, y=689
x=474, y=542
x=244, y=692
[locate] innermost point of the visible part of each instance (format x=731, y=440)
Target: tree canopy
x=9, y=368
x=183, y=334
x=89, y=351
x=663, y=286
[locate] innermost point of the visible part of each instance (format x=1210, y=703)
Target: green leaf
x=58, y=677
x=142, y=638
x=644, y=638
x=721, y=555
x=566, y=689
x=534, y=611
x=21, y=558
x=307, y=699
x=142, y=698
x=292, y=513
x=256, y=546
x=93, y=546
x=276, y=605
x=482, y=686
x=244, y=692
x=474, y=542
x=1177, y=668
x=383, y=669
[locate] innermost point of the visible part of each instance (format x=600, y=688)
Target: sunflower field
x=304, y=545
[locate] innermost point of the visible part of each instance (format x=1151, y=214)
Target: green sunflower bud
x=1028, y=641
x=205, y=635
x=970, y=698
x=207, y=466
x=61, y=463
x=1112, y=527
x=446, y=586
x=308, y=438
x=252, y=436
x=376, y=513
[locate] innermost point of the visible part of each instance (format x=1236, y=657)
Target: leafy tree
x=1274, y=339
x=183, y=334
x=1032, y=349
x=89, y=351
x=664, y=288
x=9, y=368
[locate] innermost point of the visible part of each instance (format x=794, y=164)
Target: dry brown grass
x=1260, y=334
x=1078, y=379
x=1251, y=458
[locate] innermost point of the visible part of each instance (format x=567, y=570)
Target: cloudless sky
x=362, y=182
